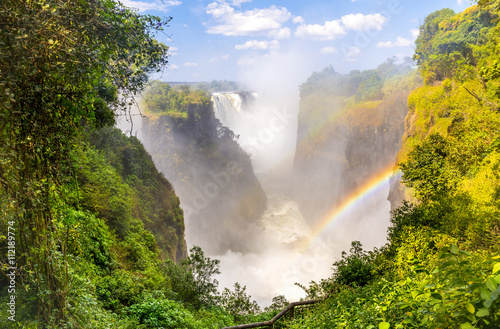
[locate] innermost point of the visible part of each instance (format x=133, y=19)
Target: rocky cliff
x=219, y=192
x=345, y=138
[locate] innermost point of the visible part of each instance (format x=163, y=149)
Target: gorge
x=259, y=183
x=373, y=194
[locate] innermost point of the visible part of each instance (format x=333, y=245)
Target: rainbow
x=372, y=185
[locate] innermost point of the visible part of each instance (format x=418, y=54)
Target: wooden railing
x=270, y=324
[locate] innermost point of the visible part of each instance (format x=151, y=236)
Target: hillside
x=92, y=235
x=213, y=176
x=440, y=268
x=350, y=127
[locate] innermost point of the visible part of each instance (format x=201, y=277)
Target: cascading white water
x=268, y=134
x=228, y=106
x=265, y=131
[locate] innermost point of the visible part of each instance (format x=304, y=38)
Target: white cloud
x=360, y=22
x=329, y=31
x=460, y=2
x=400, y=42
x=283, y=33
x=298, y=20
x=415, y=33
x=251, y=22
x=155, y=5
x=172, y=51
x=239, y=2
x=353, y=52
x=329, y=50
x=254, y=44
x=221, y=57
x=350, y=52
x=190, y=64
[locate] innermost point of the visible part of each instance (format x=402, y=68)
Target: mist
x=257, y=203
x=267, y=131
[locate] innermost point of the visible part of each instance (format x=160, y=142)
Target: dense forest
x=441, y=265
x=92, y=235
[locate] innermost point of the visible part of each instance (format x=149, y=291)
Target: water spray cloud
x=371, y=186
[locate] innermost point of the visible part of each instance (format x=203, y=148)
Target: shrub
x=162, y=313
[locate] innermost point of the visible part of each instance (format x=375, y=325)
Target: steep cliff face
x=344, y=138
x=219, y=192
x=373, y=143
x=119, y=182
x=456, y=56
x=358, y=143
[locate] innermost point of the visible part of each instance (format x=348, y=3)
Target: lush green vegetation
x=174, y=100
x=441, y=266
x=97, y=231
x=358, y=99
x=161, y=98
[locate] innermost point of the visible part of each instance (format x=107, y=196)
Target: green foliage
x=160, y=97
x=192, y=280
x=61, y=64
x=238, y=304
x=365, y=85
x=162, y=313
x=152, y=199
x=87, y=237
x=450, y=160
x=410, y=216
x=449, y=291
x=118, y=289
x=426, y=171
x=445, y=46
x=354, y=269
x=278, y=303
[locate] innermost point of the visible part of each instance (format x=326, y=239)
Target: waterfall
x=229, y=106
x=265, y=131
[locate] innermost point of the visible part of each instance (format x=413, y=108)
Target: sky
x=242, y=40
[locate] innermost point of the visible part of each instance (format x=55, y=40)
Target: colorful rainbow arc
x=372, y=185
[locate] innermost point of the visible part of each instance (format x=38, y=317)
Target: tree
x=61, y=64
x=354, y=269
x=426, y=168
x=278, y=304
x=192, y=280
x=238, y=303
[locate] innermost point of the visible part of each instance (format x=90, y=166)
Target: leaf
x=488, y=303
x=466, y=325
x=496, y=268
x=384, y=325
x=470, y=308
x=454, y=249
x=436, y=296
x=485, y=295
x=497, y=278
x=494, y=295
x=491, y=283
x=482, y=312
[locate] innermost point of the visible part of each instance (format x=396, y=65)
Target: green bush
x=354, y=269
x=162, y=313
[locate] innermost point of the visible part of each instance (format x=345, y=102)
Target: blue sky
x=285, y=41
